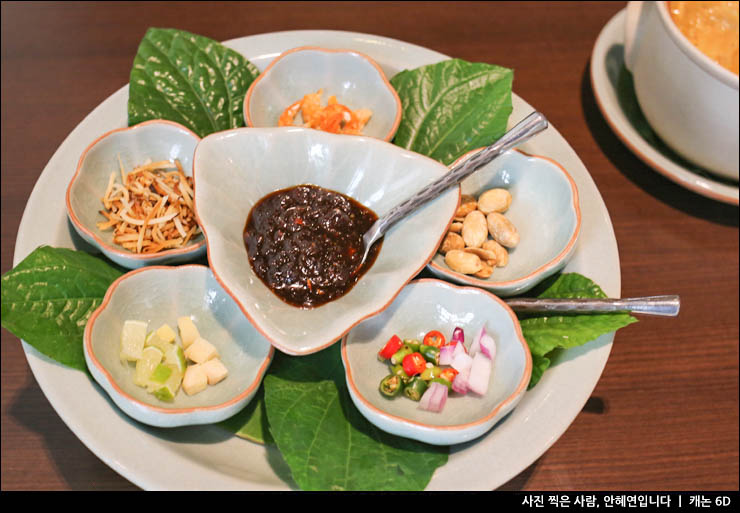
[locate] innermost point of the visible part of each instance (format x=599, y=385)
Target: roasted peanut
x=474, y=229
x=485, y=272
x=451, y=241
x=467, y=205
x=502, y=230
x=463, y=262
x=494, y=200
x=487, y=256
x=456, y=226
x=502, y=256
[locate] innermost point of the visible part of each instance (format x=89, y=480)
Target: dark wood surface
x=664, y=415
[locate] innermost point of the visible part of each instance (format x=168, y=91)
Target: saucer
x=615, y=96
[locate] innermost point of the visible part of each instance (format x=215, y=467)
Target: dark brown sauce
x=305, y=243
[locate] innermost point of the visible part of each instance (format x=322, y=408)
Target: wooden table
x=664, y=415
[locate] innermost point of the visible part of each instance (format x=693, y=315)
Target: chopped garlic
x=200, y=351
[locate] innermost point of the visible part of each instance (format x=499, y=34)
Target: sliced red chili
x=390, y=348
x=434, y=338
x=449, y=374
x=414, y=364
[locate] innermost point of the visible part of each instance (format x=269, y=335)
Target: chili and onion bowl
x=159, y=295
x=431, y=304
x=148, y=141
x=545, y=210
x=355, y=79
x=234, y=169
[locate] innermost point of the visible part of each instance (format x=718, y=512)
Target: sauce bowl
x=234, y=169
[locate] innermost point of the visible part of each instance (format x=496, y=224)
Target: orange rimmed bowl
x=355, y=79
x=422, y=306
x=151, y=140
x=545, y=210
x=159, y=295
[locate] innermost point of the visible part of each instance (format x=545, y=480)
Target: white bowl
x=545, y=210
x=689, y=100
x=354, y=78
x=422, y=306
x=155, y=140
x=160, y=295
x=236, y=168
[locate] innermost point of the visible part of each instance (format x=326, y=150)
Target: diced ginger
x=188, y=331
x=166, y=333
x=215, y=370
x=195, y=380
x=200, y=351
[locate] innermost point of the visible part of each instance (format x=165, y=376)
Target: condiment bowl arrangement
x=545, y=211
x=356, y=80
x=152, y=140
x=159, y=295
x=431, y=304
x=234, y=169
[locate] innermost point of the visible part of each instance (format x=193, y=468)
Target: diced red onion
x=460, y=383
x=458, y=335
x=462, y=362
x=488, y=346
x=475, y=346
x=446, y=354
x=480, y=373
x=437, y=397
x=459, y=348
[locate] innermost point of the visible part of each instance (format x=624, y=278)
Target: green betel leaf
x=190, y=79
x=49, y=296
x=452, y=107
x=545, y=334
x=251, y=422
x=324, y=439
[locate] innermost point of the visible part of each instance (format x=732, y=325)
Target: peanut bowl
x=159, y=296
x=423, y=306
x=541, y=208
x=102, y=166
x=235, y=169
x=354, y=79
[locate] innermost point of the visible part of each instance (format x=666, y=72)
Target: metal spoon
x=528, y=127
x=653, y=305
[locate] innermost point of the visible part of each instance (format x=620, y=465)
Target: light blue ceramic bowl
x=234, y=169
x=422, y=306
x=545, y=210
x=154, y=140
x=354, y=78
x=160, y=295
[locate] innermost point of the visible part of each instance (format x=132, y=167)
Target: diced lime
x=164, y=393
x=165, y=382
x=161, y=373
x=151, y=357
x=156, y=341
x=133, y=335
x=176, y=357
x=166, y=333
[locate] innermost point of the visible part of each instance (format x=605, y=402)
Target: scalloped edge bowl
x=153, y=294
x=306, y=69
x=155, y=139
x=428, y=304
x=537, y=201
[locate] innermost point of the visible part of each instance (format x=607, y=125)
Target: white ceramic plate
x=205, y=457
x=606, y=64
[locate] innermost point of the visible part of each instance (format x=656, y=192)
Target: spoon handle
x=654, y=305
x=528, y=127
